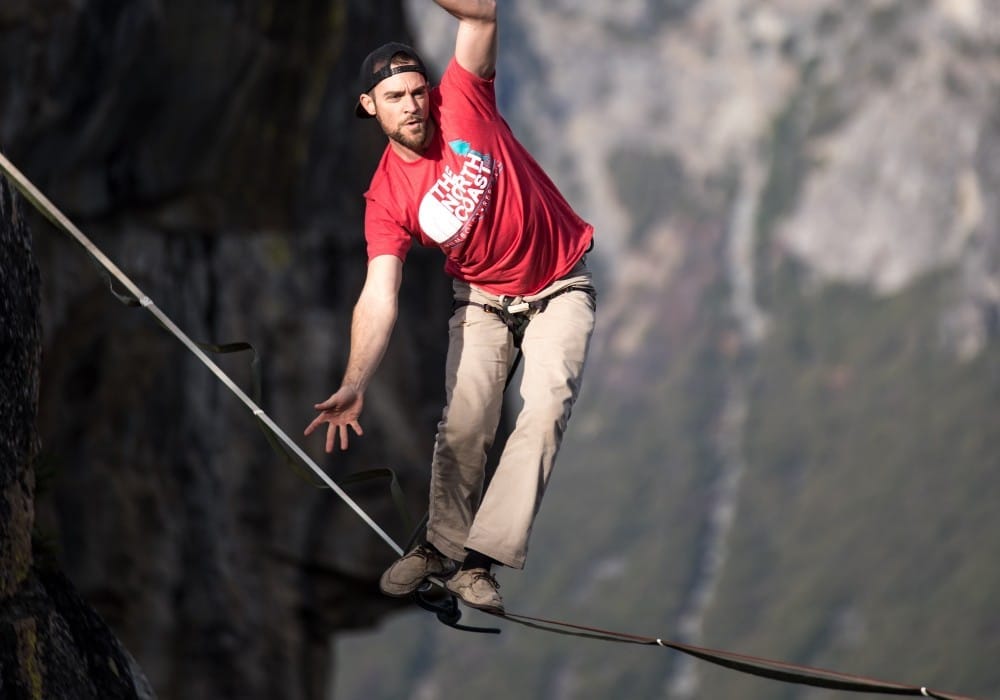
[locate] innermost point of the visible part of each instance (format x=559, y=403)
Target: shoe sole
x=403, y=592
x=425, y=581
x=485, y=607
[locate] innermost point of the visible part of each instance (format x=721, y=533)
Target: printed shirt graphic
x=451, y=206
x=476, y=194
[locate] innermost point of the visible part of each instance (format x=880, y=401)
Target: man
x=453, y=176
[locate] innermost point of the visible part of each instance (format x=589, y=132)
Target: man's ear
x=368, y=103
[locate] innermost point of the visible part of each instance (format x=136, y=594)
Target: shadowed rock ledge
x=52, y=643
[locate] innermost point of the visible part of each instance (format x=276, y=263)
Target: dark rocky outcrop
x=52, y=643
x=210, y=149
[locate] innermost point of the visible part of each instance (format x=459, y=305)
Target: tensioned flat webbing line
x=52, y=213
x=753, y=665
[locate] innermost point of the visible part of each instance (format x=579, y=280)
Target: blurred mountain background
x=789, y=436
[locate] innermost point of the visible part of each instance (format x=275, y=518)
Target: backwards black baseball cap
x=378, y=66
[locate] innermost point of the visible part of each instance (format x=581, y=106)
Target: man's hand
x=371, y=325
x=341, y=411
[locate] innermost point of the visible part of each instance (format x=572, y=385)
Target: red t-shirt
x=478, y=195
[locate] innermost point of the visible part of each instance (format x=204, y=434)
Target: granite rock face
x=21, y=355
x=210, y=149
x=52, y=642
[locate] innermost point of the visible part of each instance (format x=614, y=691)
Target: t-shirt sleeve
x=383, y=234
x=465, y=94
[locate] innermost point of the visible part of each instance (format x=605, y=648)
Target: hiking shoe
x=408, y=572
x=477, y=588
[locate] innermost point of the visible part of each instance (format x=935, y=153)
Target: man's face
x=400, y=104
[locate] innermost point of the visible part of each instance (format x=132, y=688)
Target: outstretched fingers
x=340, y=412
x=341, y=429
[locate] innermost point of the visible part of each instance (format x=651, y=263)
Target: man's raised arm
x=476, y=43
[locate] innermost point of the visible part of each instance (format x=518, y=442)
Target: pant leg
x=480, y=351
x=555, y=349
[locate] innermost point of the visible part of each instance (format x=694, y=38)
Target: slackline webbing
x=753, y=665
x=448, y=613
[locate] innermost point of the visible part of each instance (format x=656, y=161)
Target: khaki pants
x=498, y=522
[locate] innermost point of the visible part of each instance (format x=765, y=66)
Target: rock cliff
x=787, y=440
x=210, y=149
x=52, y=642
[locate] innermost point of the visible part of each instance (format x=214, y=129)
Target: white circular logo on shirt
x=437, y=220
x=453, y=202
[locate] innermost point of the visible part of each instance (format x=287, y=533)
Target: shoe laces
x=487, y=576
x=424, y=552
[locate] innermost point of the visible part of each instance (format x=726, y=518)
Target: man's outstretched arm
x=476, y=43
x=371, y=326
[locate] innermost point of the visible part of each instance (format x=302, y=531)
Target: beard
x=412, y=136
